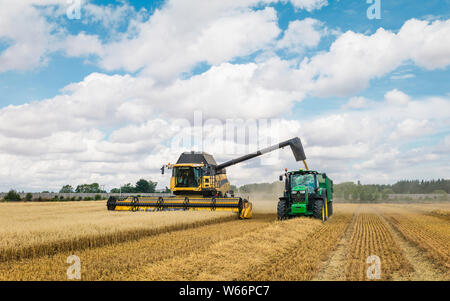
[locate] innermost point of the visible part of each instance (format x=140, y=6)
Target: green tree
x=66, y=189
x=12, y=196
x=89, y=188
x=145, y=186
x=127, y=188
x=142, y=186
x=28, y=197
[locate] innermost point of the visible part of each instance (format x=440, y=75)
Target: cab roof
x=304, y=172
x=196, y=157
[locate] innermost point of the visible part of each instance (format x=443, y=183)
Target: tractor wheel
x=330, y=208
x=318, y=208
x=282, y=210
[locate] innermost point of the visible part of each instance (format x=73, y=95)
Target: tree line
x=358, y=192
x=142, y=186
x=417, y=186
x=348, y=191
x=373, y=192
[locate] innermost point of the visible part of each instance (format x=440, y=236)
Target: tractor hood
x=299, y=189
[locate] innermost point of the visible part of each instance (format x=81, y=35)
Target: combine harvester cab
x=199, y=183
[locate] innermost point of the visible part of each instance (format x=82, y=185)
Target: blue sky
x=309, y=63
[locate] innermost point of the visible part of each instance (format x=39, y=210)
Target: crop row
x=372, y=237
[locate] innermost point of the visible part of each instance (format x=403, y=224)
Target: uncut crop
x=35, y=229
x=124, y=261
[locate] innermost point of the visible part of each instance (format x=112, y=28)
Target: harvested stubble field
x=412, y=243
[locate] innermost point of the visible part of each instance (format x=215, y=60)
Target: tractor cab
x=305, y=193
x=300, y=185
x=303, y=182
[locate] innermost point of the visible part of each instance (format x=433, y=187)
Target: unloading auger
x=199, y=183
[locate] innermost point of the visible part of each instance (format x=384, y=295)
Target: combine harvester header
x=199, y=183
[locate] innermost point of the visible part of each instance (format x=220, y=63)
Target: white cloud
x=396, y=97
x=82, y=45
x=106, y=101
x=402, y=76
x=356, y=102
x=309, y=5
x=171, y=42
x=411, y=128
x=167, y=43
x=214, y=32
x=28, y=34
x=111, y=16
x=302, y=34
x=354, y=58
x=428, y=45
x=57, y=141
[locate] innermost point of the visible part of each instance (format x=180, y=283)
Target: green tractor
x=306, y=193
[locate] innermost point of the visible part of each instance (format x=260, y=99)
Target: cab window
x=187, y=176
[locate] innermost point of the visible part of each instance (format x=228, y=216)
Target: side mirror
x=162, y=170
x=281, y=178
x=324, y=175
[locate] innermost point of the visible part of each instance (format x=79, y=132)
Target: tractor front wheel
x=318, y=208
x=282, y=210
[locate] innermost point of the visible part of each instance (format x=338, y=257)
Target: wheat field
x=35, y=229
x=412, y=243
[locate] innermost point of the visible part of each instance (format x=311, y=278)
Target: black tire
x=330, y=208
x=318, y=206
x=282, y=210
x=111, y=203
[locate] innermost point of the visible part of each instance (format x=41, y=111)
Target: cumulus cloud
x=309, y=5
x=356, y=102
x=354, y=58
x=82, y=44
x=396, y=97
x=67, y=146
x=28, y=33
x=411, y=128
x=171, y=42
x=111, y=16
x=302, y=34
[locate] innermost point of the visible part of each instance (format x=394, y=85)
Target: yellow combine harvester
x=199, y=183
